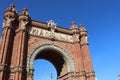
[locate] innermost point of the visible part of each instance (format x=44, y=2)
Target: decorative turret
x=75, y=32
x=24, y=19
x=83, y=35
x=82, y=29
x=74, y=28
x=9, y=24
x=10, y=15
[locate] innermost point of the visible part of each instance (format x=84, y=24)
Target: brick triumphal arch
x=24, y=40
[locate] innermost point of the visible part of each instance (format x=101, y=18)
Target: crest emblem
x=52, y=25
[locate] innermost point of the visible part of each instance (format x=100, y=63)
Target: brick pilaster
x=10, y=17
x=24, y=19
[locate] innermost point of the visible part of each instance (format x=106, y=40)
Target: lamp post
x=51, y=77
x=118, y=77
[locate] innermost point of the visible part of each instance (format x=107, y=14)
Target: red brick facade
x=24, y=40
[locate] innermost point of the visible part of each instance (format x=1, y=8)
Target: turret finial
x=11, y=8
x=24, y=12
x=82, y=28
x=73, y=26
x=81, y=25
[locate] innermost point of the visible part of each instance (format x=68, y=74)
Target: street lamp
x=118, y=77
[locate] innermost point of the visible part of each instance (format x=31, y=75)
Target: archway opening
x=55, y=58
x=44, y=70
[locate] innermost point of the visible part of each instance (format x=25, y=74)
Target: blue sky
x=100, y=17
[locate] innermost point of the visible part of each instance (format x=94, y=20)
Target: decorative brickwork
x=24, y=40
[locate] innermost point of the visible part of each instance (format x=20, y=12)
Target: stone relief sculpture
x=52, y=25
x=23, y=24
x=8, y=20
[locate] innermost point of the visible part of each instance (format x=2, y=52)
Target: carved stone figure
x=23, y=24
x=8, y=20
x=52, y=25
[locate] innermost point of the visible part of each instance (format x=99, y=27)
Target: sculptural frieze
x=49, y=34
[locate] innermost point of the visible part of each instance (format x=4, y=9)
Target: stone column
x=24, y=20
x=90, y=75
x=30, y=74
x=10, y=17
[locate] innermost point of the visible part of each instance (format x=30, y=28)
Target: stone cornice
x=44, y=26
